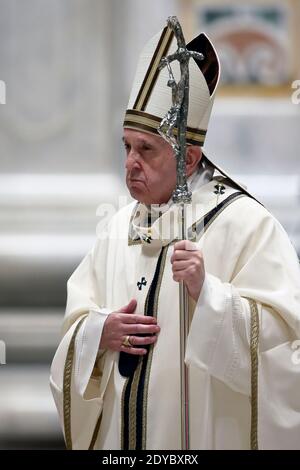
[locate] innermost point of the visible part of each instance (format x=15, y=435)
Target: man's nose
x=132, y=160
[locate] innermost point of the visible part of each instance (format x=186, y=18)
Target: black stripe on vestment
x=128, y=364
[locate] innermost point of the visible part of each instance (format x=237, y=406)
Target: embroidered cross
x=142, y=283
x=220, y=189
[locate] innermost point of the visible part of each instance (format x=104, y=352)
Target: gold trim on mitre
x=149, y=123
x=153, y=70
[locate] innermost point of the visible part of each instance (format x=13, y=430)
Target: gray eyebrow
x=144, y=142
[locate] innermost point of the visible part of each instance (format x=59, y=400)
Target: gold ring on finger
x=126, y=342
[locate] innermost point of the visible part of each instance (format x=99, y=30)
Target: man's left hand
x=188, y=266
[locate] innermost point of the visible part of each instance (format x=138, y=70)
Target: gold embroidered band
x=149, y=123
x=67, y=386
x=254, y=343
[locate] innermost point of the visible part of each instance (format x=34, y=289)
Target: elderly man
x=116, y=375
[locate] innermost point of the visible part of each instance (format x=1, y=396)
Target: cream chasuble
x=126, y=402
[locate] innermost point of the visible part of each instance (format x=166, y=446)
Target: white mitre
x=151, y=98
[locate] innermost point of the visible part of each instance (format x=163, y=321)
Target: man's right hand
x=125, y=323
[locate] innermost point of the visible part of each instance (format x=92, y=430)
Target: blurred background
x=66, y=68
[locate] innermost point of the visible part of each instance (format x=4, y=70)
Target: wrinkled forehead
x=142, y=136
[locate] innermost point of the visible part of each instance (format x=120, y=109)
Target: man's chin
x=137, y=194
x=140, y=197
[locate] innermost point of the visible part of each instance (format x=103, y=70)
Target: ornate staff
x=175, y=122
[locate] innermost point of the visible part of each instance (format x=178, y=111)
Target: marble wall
x=56, y=65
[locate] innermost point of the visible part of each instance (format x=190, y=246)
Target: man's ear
x=193, y=157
